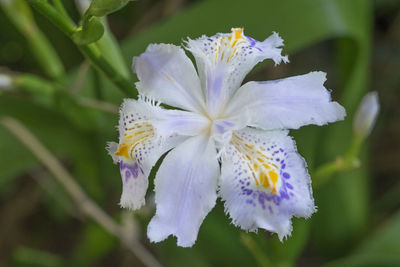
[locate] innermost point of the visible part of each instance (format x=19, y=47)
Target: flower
x=366, y=115
x=262, y=179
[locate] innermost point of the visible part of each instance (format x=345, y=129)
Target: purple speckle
x=289, y=186
x=127, y=175
x=277, y=200
x=286, y=175
x=251, y=40
x=248, y=191
x=129, y=170
x=270, y=210
x=284, y=194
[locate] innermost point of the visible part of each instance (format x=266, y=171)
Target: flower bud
x=366, y=115
x=82, y=5
x=5, y=82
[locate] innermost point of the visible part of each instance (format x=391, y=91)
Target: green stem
x=90, y=51
x=41, y=87
x=46, y=55
x=60, y=7
x=348, y=162
x=64, y=23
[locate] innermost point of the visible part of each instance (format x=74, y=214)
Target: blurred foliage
x=330, y=35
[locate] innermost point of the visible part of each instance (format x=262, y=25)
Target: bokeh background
x=70, y=110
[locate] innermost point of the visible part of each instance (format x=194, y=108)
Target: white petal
x=165, y=121
x=181, y=122
x=223, y=61
x=264, y=181
x=166, y=74
x=143, y=140
x=135, y=183
x=287, y=103
x=185, y=188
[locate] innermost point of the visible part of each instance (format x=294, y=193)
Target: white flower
x=262, y=179
x=366, y=115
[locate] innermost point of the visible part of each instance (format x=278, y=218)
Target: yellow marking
x=128, y=136
x=266, y=166
x=237, y=137
x=134, y=145
x=238, y=33
x=132, y=138
x=123, y=151
x=233, y=44
x=264, y=180
x=232, y=55
x=276, y=167
x=273, y=176
x=168, y=77
x=265, y=175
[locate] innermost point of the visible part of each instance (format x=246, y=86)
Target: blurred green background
x=69, y=106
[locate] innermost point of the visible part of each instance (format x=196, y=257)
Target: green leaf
x=100, y=8
x=20, y=14
x=95, y=244
x=91, y=31
x=57, y=133
x=24, y=256
x=381, y=248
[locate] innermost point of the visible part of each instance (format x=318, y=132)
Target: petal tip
x=111, y=149
x=126, y=202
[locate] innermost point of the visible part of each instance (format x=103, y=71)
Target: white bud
x=82, y=5
x=366, y=115
x=5, y=82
